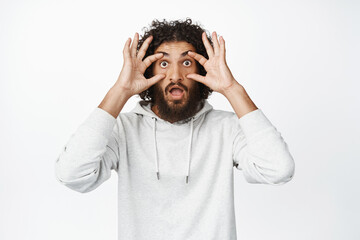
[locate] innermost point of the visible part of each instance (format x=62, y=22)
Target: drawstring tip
x=187, y=179
x=158, y=176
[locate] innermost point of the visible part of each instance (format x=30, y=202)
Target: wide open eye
x=164, y=64
x=187, y=63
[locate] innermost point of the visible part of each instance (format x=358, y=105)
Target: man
x=174, y=154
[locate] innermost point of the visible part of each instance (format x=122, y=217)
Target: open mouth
x=176, y=93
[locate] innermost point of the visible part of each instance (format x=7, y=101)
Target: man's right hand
x=131, y=79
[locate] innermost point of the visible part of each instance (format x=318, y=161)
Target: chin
x=177, y=101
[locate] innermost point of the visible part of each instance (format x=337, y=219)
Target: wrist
x=234, y=89
x=121, y=92
x=114, y=101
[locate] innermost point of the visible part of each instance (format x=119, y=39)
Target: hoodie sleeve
x=260, y=151
x=90, y=154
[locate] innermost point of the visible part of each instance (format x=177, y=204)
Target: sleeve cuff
x=254, y=122
x=100, y=121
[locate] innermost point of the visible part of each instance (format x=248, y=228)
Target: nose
x=175, y=74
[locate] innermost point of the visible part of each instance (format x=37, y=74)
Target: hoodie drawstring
x=156, y=153
x=189, y=149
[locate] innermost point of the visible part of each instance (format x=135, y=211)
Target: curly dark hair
x=176, y=30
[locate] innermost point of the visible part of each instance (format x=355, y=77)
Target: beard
x=178, y=110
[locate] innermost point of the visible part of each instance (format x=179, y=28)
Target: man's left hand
x=218, y=76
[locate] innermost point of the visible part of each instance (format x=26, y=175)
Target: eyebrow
x=181, y=55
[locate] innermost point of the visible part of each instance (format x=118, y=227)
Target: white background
x=298, y=61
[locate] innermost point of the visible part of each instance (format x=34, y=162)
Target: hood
x=144, y=108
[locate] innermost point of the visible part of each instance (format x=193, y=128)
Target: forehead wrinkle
x=167, y=54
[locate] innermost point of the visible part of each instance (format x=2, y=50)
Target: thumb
x=196, y=77
x=155, y=79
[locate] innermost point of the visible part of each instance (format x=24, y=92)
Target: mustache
x=176, y=84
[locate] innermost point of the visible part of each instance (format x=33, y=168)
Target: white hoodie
x=175, y=181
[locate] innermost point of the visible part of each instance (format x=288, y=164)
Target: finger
x=208, y=47
x=215, y=43
x=126, y=50
x=155, y=79
x=196, y=77
x=201, y=59
x=134, y=45
x=144, y=47
x=150, y=59
x=222, y=47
